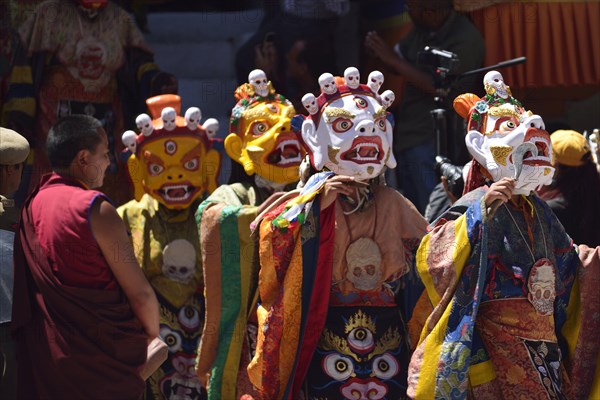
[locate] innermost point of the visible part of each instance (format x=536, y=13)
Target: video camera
x=452, y=173
x=441, y=62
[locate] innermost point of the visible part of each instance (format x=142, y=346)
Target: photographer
x=438, y=26
x=447, y=191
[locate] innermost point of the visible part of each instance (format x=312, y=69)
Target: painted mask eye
x=171, y=338
x=259, y=128
x=385, y=366
x=360, y=102
x=338, y=367
x=191, y=165
x=341, y=125
x=381, y=123
x=507, y=126
x=170, y=147
x=155, y=169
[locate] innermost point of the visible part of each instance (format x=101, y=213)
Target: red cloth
x=557, y=37
x=60, y=216
x=72, y=342
x=319, y=304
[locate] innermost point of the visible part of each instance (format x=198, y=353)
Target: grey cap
x=14, y=148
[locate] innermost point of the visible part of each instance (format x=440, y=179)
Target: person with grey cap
x=14, y=150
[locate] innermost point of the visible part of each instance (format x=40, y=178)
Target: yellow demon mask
x=172, y=158
x=261, y=138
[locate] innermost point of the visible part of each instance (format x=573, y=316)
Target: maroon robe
x=72, y=342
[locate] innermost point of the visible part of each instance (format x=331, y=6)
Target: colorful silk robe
x=498, y=330
x=167, y=247
x=332, y=326
x=230, y=261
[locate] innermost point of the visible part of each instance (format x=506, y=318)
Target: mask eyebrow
x=197, y=150
x=153, y=158
x=379, y=113
x=332, y=113
x=264, y=113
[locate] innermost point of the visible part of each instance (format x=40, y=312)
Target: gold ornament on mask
x=501, y=153
x=491, y=90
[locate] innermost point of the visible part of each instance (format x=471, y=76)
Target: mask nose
x=366, y=126
x=535, y=121
x=285, y=127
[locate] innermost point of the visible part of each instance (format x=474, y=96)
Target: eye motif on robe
x=172, y=158
x=363, y=362
x=177, y=378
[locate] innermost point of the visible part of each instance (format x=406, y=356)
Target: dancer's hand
x=501, y=191
x=339, y=184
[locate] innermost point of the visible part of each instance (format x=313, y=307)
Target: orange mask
x=172, y=158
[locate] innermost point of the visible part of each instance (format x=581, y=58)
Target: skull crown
x=335, y=87
x=165, y=109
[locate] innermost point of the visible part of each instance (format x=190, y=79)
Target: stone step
x=201, y=27
x=188, y=60
x=213, y=96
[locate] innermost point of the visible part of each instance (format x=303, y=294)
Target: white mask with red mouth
x=350, y=134
x=509, y=136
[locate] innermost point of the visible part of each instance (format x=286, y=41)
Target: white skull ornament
x=387, y=98
x=211, y=126
x=309, y=101
x=193, y=115
x=168, y=116
x=374, y=81
x=327, y=83
x=258, y=80
x=493, y=83
x=144, y=124
x=129, y=139
x=352, y=77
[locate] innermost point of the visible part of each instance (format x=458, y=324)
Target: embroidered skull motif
x=364, y=264
x=179, y=260
x=542, y=287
